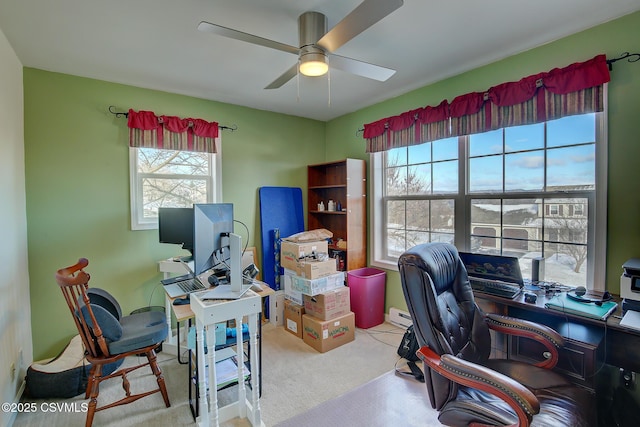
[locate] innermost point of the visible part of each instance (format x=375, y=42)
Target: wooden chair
x=109, y=337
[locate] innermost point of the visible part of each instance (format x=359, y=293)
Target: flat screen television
x=175, y=225
x=212, y=222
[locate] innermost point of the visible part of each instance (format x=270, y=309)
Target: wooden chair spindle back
x=74, y=282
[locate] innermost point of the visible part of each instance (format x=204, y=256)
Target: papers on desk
x=567, y=305
x=631, y=320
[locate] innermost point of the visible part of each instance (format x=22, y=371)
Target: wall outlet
x=12, y=370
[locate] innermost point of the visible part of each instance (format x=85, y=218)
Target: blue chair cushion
x=111, y=328
x=105, y=300
x=140, y=330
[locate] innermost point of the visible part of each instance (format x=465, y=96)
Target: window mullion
x=172, y=176
x=462, y=201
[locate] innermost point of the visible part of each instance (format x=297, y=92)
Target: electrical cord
x=389, y=331
x=152, y=292
x=246, y=243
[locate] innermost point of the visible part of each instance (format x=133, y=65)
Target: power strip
x=400, y=318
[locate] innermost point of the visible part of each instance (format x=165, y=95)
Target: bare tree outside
x=172, y=178
x=571, y=236
x=414, y=221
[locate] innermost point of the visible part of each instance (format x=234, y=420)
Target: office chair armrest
x=479, y=377
x=549, y=338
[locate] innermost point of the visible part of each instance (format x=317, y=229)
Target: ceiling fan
x=316, y=44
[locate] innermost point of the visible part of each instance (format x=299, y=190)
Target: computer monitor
x=175, y=225
x=210, y=222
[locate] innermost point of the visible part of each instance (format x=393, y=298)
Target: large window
x=528, y=191
x=169, y=178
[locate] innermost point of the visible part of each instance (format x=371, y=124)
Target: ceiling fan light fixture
x=314, y=64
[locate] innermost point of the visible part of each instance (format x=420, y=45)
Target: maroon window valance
x=575, y=89
x=171, y=133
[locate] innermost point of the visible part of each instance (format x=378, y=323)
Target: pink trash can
x=367, y=288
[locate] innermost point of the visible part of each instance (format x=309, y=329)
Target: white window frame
x=596, y=274
x=214, y=190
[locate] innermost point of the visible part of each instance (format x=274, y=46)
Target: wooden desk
x=168, y=267
x=596, y=340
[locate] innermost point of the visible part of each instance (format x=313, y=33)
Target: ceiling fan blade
x=360, y=68
x=362, y=17
x=285, y=77
x=245, y=37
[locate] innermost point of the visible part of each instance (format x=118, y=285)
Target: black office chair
x=463, y=383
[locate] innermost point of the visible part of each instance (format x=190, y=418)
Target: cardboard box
x=293, y=318
x=328, y=305
x=325, y=335
x=290, y=252
x=290, y=293
x=315, y=269
x=316, y=286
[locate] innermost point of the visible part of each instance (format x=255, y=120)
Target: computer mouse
x=182, y=301
x=213, y=280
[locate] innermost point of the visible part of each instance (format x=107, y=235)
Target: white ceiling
x=155, y=44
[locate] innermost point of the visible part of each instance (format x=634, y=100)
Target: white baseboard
x=16, y=400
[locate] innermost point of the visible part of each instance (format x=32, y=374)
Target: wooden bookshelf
x=344, y=182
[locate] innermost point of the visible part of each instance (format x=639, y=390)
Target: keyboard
x=190, y=285
x=494, y=287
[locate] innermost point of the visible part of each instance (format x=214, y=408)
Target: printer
x=630, y=285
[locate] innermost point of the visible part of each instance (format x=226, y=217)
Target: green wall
x=613, y=38
x=77, y=180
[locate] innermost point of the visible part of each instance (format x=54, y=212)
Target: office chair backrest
x=445, y=315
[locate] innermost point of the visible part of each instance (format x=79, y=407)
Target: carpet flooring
x=297, y=380
x=389, y=400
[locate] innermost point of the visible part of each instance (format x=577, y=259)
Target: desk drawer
x=582, y=353
x=578, y=360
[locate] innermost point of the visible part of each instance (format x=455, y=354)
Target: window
x=526, y=191
x=168, y=178
x=419, y=183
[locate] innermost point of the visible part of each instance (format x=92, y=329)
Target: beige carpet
x=295, y=379
x=389, y=400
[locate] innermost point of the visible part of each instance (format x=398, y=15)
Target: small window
x=578, y=210
x=168, y=178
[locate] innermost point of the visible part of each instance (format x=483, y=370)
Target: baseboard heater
x=400, y=318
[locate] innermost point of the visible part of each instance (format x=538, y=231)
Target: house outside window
x=525, y=191
x=169, y=178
